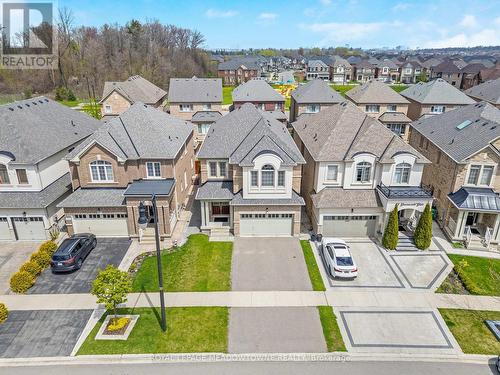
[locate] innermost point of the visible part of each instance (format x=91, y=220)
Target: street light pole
x=158, y=262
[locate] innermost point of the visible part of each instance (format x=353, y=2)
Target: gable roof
x=249, y=62
x=247, y=131
x=32, y=130
x=135, y=89
x=375, y=91
x=340, y=61
x=316, y=91
x=446, y=66
x=488, y=91
x=437, y=91
x=141, y=132
x=341, y=131
x=364, y=64
x=388, y=63
x=317, y=63
x=482, y=128
x=256, y=90
x=195, y=90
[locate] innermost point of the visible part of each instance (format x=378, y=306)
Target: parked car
x=338, y=258
x=72, y=252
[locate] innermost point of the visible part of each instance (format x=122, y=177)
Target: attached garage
x=4, y=229
x=102, y=225
x=29, y=228
x=349, y=226
x=266, y=225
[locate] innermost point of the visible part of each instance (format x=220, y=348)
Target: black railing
x=405, y=191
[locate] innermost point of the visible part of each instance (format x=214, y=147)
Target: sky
x=239, y=24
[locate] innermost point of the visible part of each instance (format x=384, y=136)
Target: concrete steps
x=405, y=243
x=220, y=234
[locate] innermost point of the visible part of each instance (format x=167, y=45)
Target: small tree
x=423, y=232
x=111, y=287
x=390, y=239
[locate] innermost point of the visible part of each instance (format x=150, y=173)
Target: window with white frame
x=207, y=106
x=385, y=69
x=312, y=108
x=267, y=175
x=332, y=172
x=203, y=128
x=480, y=175
x=399, y=129
x=108, y=109
x=402, y=173
x=101, y=171
x=392, y=108
x=438, y=109
x=153, y=169
x=281, y=178
x=186, y=107
x=254, y=178
x=217, y=169
x=372, y=108
x=363, y=171
x=486, y=175
x=4, y=175
x=474, y=172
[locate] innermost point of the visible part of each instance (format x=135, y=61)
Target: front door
x=471, y=219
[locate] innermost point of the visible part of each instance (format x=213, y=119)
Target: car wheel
x=94, y=244
x=79, y=263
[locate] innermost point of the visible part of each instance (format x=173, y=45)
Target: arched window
x=363, y=172
x=267, y=175
x=101, y=171
x=4, y=174
x=402, y=173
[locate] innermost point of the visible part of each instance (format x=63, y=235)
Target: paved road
x=251, y=368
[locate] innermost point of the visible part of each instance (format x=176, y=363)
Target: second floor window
x=207, y=106
x=4, y=175
x=372, y=108
x=438, y=109
x=267, y=175
x=217, y=169
x=392, y=108
x=402, y=173
x=487, y=175
x=312, y=108
x=22, y=177
x=254, y=178
x=399, y=129
x=153, y=169
x=363, y=172
x=186, y=107
x=480, y=175
x=102, y=171
x=332, y=172
x=203, y=128
x=474, y=172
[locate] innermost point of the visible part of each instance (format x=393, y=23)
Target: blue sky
x=311, y=23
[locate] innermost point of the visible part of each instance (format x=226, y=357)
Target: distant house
x=379, y=101
x=117, y=97
x=410, y=71
x=489, y=74
x=260, y=94
x=388, y=71
x=433, y=98
x=317, y=69
x=312, y=98
x=239, y=70
x=488, y=91
x=470, y=75
x=364, y=71
x=448, y=71
x=341, y=70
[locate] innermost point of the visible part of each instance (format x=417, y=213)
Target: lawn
x=480, y=276
x=227, y=92
x=331, y=330
x=196, y=266
x=342, y=89
x=470, y=331
x=71, y=103
x=398, y=88
x=189, y=329
x=312, y=266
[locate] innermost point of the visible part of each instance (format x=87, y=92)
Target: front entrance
x=266, y=225
x=471, y=220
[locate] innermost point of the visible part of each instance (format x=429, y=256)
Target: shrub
x=54, y=233
x=31, y=267
x=116, y=324
x=21, y=281
x=42, y=258
x=71, y=96
x=48, y=247
x=4, y=313
x=423, y=232
x=391, y=232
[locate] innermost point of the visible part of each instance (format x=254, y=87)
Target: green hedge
x=21, y=281
x=31, y=267
x=4, y=313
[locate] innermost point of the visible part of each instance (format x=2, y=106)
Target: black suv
x=72, y=252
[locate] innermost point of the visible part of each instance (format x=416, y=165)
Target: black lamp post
x=143, y=222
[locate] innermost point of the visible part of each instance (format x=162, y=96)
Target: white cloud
x=344, y=31
x=485, y=37
x=469, y=21
x=325, y=2
x=215, y=13
x=401, y=6
x=497, y=21
x=268, y=16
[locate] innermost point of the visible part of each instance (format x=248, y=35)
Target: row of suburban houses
x=343, y=162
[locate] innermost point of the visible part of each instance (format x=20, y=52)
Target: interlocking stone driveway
x=268, y=264
x=41, y=333
x=423, y=270
x=107, y=251
x=12, y=257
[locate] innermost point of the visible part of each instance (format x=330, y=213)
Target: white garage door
x=349, y=226
x=4, y=229
x=262, y=225
x=29, y=228
x=102, y=225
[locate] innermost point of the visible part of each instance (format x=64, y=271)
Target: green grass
x=331, y=330
x=469, y=329
x=312, y=266
x=457, y=245
x=189, y=329
x=480, y=276
x=398, y=88
x=287, y=103
x=227, y=97
x=196, y=266
x=71, y=103
x=342, y=89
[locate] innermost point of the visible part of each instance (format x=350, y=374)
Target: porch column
x=230, y=216
x=202, y=207
x=207, y=213
x=459, y=229
x=496, y=229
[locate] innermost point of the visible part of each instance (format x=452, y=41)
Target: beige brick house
x=142, y=152
x=117, y=97
x=250, y=175
x=463, y=146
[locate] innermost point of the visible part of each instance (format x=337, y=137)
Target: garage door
x=4, y=229
x=29, y=228
x=102, y=225
x=262, y=225
x=349, y=226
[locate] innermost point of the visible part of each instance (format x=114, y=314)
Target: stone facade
x=268, y=106
x=119, y=104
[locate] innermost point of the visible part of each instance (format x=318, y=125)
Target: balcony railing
x=393, y=192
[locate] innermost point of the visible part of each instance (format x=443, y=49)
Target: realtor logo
x=29, y=35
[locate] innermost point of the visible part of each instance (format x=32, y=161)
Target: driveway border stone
x=418, y=254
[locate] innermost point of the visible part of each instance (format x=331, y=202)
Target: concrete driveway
x=275, y=330
x=41, y=333
x=107, y=251
x=268, y=264
x=12, y=257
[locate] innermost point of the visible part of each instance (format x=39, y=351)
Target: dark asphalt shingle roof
x=249, y=62
x=94, y=198
x=476, y=199
x=215, y=190
x=346, y=198
x=206, y=116
x=375, y=91
x=437, y=91
x=488, y=91
x=256, y=90
x=316, y=91
x=146, y=188
x=461, y=144
x=34, y=129
x=135, y=89
x=195, y=90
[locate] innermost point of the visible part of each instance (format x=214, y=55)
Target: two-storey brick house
x=35, y=136
x=341, y=70
x=239, y=70
x=142, y=152
x=317, y=69
x=260, y=94
x=250, y=175
x=463, y=146
x=356, y=171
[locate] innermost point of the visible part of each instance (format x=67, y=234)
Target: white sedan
x=338, y=258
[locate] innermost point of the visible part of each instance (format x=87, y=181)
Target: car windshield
x=345, y=261
x=59, y=257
